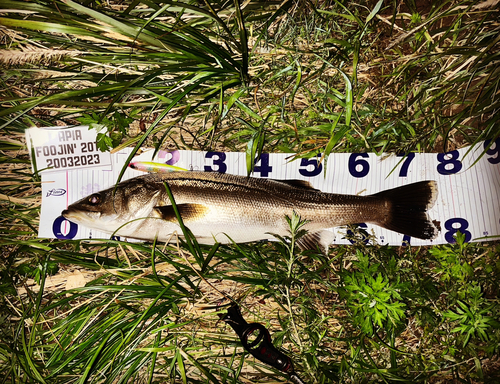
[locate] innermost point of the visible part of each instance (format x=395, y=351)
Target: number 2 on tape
x=174, y=158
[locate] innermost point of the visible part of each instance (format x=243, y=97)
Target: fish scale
x=222, y=208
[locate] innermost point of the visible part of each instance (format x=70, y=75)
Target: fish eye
x=94, y=199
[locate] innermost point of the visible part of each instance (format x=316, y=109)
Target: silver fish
x=223, y=208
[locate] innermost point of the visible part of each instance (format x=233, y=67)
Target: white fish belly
x=223, y=224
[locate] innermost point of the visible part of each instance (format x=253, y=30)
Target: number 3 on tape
x=218, y=159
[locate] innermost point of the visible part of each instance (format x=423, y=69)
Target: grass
x=295, y=77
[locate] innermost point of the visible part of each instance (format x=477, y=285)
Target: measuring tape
x=468, y=183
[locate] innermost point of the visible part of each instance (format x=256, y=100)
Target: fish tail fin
x=408, y=212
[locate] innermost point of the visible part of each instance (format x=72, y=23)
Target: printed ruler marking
x=60, y=148
x=468, y=200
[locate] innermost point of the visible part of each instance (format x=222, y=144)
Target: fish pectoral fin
x=315, y=240
x=188, y=212
x=303, y=184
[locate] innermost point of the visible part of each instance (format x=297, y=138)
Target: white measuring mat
x=468, y=193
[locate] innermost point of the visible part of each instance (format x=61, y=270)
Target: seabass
x=224, y=208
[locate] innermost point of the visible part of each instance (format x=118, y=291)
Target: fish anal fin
x=188, y=212
x=304, y=184
x=314, y=240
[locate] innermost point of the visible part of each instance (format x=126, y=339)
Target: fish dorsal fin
x=297, y=184
x=315, y=240
x=188, y=212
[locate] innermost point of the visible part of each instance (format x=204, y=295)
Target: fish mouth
x=71, y=214
x=67, y=214
x=78, y=216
